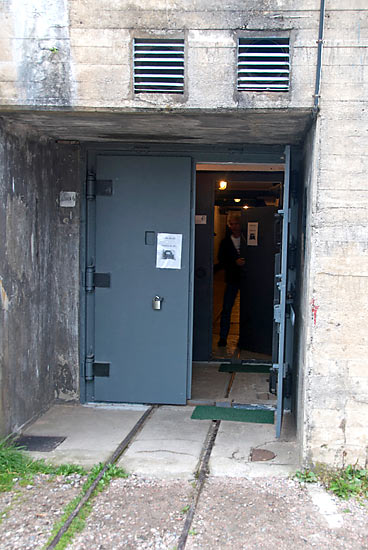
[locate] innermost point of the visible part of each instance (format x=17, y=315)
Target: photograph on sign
x=252, y=235
x=168, y=254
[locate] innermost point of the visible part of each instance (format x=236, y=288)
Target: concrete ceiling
x=272, y=127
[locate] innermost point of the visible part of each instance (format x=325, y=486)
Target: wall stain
x=4, y=297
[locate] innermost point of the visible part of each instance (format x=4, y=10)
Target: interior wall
x=39, y=275
x=219, y=231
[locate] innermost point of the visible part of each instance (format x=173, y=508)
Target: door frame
x=229, y=155
x=239, y=167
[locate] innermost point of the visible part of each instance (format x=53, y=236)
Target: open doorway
x=251, y=196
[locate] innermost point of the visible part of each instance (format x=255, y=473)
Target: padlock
x=156, y=302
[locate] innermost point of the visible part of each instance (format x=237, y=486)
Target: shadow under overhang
x=266, y=126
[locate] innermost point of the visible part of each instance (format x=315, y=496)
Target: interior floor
x=209, y=386
x=231, y=351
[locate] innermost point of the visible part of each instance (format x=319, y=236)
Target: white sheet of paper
x=252, y=236
x=168, y=254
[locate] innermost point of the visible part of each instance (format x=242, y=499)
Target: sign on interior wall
x=168, y=254
x=252, y=235
x=201, y=219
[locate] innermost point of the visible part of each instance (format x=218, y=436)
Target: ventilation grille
x=158, y=66
x=263, y=64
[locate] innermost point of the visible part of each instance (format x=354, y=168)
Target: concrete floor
x=231, y=350
x=170, y=442
x=209, y=386
x=169, y=445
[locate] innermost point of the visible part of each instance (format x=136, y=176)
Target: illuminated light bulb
x=237, y=200
x=245, y=207
x=222, y=185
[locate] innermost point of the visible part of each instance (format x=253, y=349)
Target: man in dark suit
x=232, y=258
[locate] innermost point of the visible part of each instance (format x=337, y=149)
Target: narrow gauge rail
x=201, y=475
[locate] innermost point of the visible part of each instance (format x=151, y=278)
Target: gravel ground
x=27, y=514
x=272, y=513
x=136, y=513
x=141, y=514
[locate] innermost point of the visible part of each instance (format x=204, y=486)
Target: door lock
x=156, y=302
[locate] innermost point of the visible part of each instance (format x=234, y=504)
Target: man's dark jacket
x=227, y=257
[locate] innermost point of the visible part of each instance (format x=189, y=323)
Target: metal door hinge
x=96, y=280
x=88, y=373
x=93, y=369
x=97, y=187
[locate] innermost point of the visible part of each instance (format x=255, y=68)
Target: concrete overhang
x=272, y=127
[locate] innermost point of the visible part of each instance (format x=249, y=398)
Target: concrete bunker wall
x=333, y=385
x=80, y=54
x=39, y=276
x=334, y=390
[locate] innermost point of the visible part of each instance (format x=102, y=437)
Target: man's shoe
x=222, y=342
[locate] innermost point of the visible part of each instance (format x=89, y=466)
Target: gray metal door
x=135, y=353
x=281, y=280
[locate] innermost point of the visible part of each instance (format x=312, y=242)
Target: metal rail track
x=113, y=458
x=201, y=475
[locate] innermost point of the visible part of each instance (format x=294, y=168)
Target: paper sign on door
x=168, y=254
x=252, y=236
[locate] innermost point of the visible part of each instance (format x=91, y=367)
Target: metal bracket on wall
x=277, y=313
x=292, y=254
x=102, y=280
x=101, y=369
x=103, y=187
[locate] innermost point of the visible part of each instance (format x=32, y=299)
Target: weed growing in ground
x=306, y=476
x=79, y=522
x=112, y=472
x=351, y=481
x=347, y=482
x=15, y=465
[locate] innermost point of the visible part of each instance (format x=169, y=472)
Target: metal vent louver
x=263, y=64
x=158, y=66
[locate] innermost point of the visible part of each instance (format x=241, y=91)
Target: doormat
x=245, y=367
x=38, y=443
x=205, y=412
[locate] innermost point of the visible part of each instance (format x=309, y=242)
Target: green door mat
x=206, y=412
x=246, y=367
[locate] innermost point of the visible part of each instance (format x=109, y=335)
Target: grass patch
x=345, y=483
x=15, y=466
x=79, y=522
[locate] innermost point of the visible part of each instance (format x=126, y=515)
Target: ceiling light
x=237, y=200
x=222, y=185
x=245, y=207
